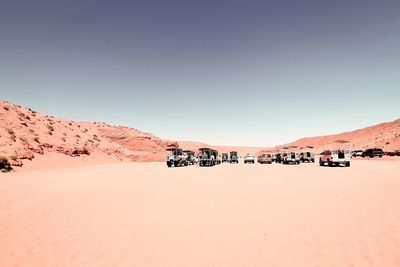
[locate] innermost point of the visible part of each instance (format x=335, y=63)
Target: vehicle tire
x=348, y=164
x=176, y=163
x=169, y=164
x=321, y=163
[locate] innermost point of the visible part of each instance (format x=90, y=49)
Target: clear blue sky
x=223, y=72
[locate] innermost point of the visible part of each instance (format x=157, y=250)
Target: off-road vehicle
x=233, y=157
x=206, y=157
x=291, y=157
x=335, y=157
x=307, y=157
x=225, y=157
x=217, y=158
x=248, y=158
x=373, y=152
x=357, y=153
x=278, y=157
x=175, y=157
x=191, y=157
x=265, y=158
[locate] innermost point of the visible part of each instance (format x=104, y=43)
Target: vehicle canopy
x=189, y=152
x=266, y=155
x=205, y=150
x=233, y=153
x=174, y=150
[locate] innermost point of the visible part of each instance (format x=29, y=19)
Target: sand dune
x=229, y=215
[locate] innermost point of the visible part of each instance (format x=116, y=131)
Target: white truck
x=335, y=157
x=248, y=158
x=291, y=157
x=176, y=157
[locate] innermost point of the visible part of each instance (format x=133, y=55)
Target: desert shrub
x=31, y=131
x=4, y=164
x=96, y=138
x=23, y=139
x=64, y=139
x=13, y=157
x=50, y=127
x=36, y=139
x=77, y=136
x=24, y=124
x=50, y=132
x=6, y=108
x=70, y=124
x=10, y=131
x=65, y=134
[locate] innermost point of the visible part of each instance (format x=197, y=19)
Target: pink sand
x=229, y=215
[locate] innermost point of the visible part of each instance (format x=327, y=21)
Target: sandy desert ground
x=134, y=214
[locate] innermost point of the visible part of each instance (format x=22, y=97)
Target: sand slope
x=228, y=215
x=385, y=135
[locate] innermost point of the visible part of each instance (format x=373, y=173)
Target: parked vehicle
x=335, y=157
x=175, y=157
x=291, y=157
x=233, y=157
x=206, y=157
x=357, y=153
x=307, y=157
x=248, y=158
x=225, y=157
x=217, y=158
x=191, y=157
x=278, y=158
x=265, y=158
x=373, y=152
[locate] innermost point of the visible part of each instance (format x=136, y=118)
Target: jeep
x=307, y=157
x=335, y=157
x=206, y=157
x=248, y=158
x=225, y=157
x=233, y=157
x=291, y=157
x=191, y=158
x=175, y=157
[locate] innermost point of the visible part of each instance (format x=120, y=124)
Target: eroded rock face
x=24, y=133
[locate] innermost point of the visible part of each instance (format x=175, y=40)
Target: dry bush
x=4, y=164
x=96, y=138
x=50, y=127
x=36, y=139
